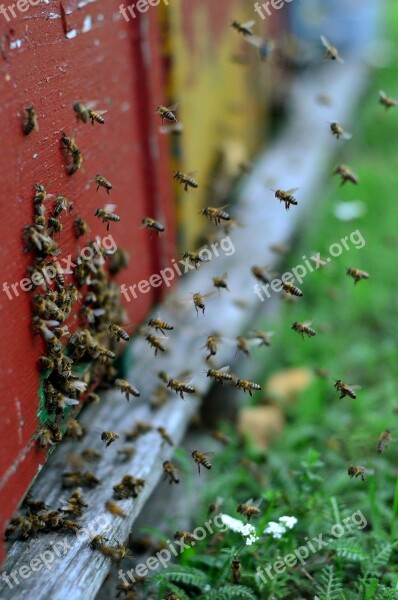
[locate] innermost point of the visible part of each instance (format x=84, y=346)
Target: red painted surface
x=117, y=64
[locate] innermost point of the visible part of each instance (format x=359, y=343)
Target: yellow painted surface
x=222, y=105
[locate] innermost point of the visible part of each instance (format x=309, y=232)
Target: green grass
x=305, y=475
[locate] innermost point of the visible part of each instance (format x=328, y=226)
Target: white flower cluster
x=247, y=531
x=277, y=530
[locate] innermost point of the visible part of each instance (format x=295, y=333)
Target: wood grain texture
x=297, y=159
x=108, y=61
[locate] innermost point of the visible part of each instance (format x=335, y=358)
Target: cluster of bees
x=73, y=363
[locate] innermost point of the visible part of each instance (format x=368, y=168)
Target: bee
x=30, y=121
x=199, y=302
x=188, y=537
x=170, y=472
x=126, y=453
x=108, y=437
x=116, y=553
x=331, y=52
x=220, y=375
x=129, y=487
x=165, y=436
x=345, y=389
x=356, y=471
x=72, y=479
x=160, y=325
x=55, y=225
x=201, y=458
x=155, y=342
x=304, y=328
x=220, y=283
x=357, y=274
x=140, y=428
x=338, y=131
x=216, y=214
x=236, y=569
x=248, y=510
x=82, y=112
x=153, y=225
x=118, y=332
x=115, y=509
x=194, y=258
x=346, y=174
x=107, y=215
x=97, y=542
x=118, y=260
x=286, y=197
x=221, y=437
x=263, y=336
x=80, y=226
x=289, y=288
x=385, y=437
x=102, y=182
x=180, y=387
x=75, y=503
x=242, y=345
x=74, y=430
x=40, y=194
x=62, y=204
x=49, y=436
x=126, y=388
x=186, y=179
x=71, y=148
x=212, y=345
x=260, y=274
x=247, y=386
x=243, y=28
x=265, y=47
x=167, y=113
x=386, y=100
x=90, y=454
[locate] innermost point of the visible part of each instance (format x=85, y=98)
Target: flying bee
x=346, y=174
x=338, y=131
x=140, y=428
x=216, y=214
x=153, y=225
x=265, y=47
x=155, y=342
x=180, y=387
x=221, y=437
x=289, y=288
x=85, y=114
x=102, y=182
x=331, y=52
x=189, y=538
x=263, y=336
x=243, y=28
x=236, y=570
x=386, y=100
x=107, y=215
x=30, y=122
x=247, y=386
x=170, y=472
x=260, y=274
x=167, y=113
x=304, y=328
x=242, y=345
x=80, y=226
x=286, y=197
x=357, y=274
x=126, y=388
x=126, y=453
x=201, y=458
x=385, y=437
x=186, y=179
x=199, y=302
x=357, y=471
x=115, y=509
x=108, y=437
x=164, y=435
x=345, y=389
x=194, y=258
x=220, y=283
x=118, y=332
x=212, y=345
x=74, y=430
x=160, y=325
x=220, y=375
x=248, y=510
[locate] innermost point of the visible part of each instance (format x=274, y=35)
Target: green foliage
x=330, y=586
x=226, y=592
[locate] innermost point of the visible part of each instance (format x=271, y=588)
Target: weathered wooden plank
x=298, y=159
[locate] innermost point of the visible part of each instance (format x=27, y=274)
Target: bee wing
x=173, y=107
x=346, y=135
x=252, y=502
x=292, y=191
x=254, y=40
x=208, y=295
x=248, y=24
x=110, y=207
x=382, y=95
x=208, y=453
x=171, y=128
x=325, y=42
x=191, y=173
x=224, y=369
x=307, y=324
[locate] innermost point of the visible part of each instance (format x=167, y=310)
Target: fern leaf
x=188, y=576
x=330, y=586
